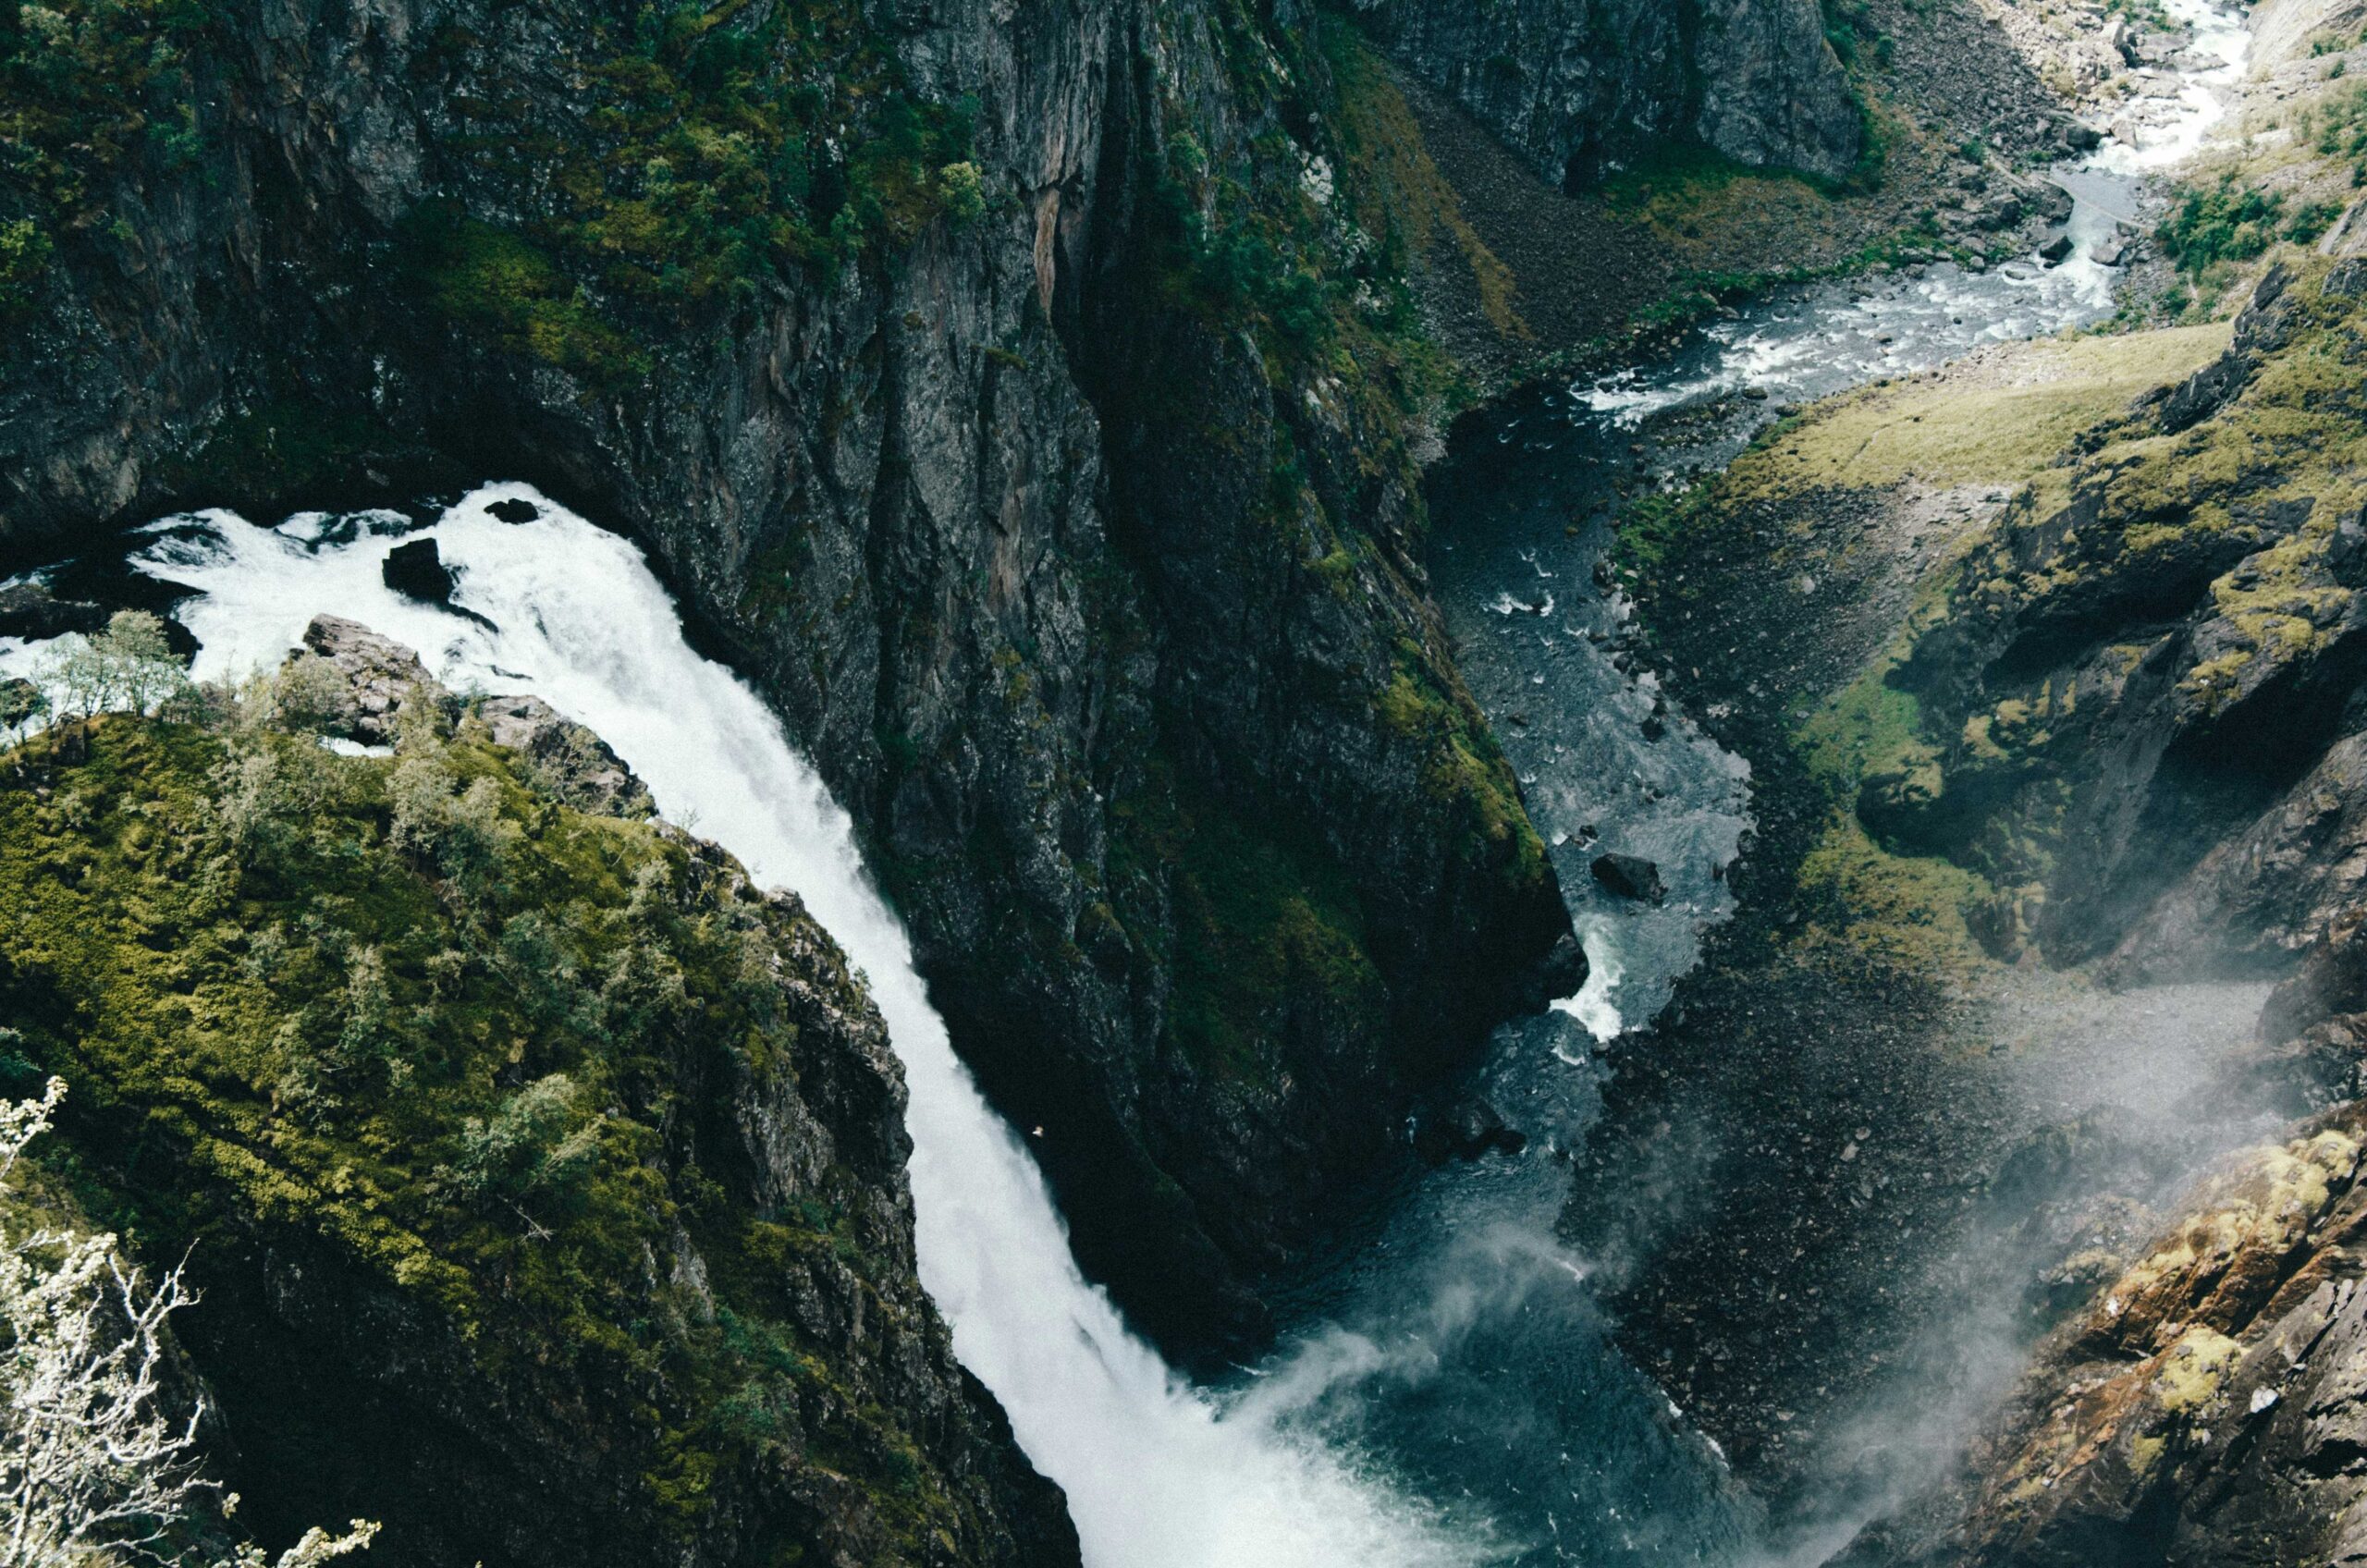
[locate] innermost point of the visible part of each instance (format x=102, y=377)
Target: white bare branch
x=96, y=1465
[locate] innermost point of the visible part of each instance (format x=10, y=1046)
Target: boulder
x=385, y=676
x=1465, y=1130
x=417, y=570
x=569, y=759
x=19, y=701
x=31, y=611
x=1630, y=877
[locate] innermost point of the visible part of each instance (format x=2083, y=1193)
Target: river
x=1450, y=1394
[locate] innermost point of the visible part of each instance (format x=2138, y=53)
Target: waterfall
x=1157, y=1474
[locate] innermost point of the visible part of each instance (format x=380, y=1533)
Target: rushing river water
x=1451, y=1395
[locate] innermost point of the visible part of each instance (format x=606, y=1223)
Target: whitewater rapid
x=1158, y=1474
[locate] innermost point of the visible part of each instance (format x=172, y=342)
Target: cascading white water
x=1157, y=1476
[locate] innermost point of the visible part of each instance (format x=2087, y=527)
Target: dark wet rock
x=2202, y=393
x=31, y=611
x=1065, y=669
x=1630, y=877
x=417, y=570
x=2273, y=890
x=1753, y=78
x=2330, y=982
x=2055, y=251
x=515, y=510
x=2260, y=327
x=1559, y=973
x=2206, y=1406
x=2081, y=137
x=1465, y=1130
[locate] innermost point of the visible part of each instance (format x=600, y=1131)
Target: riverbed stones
x=1629, y=876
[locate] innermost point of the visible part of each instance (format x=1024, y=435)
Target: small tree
x=94, y=1466
x=22, y=704
x=128, y=668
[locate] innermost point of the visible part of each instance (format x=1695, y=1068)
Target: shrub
x=24, y=262
x=2231, y=222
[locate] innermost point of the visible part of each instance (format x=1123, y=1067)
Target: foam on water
x=1828, y=337
x=1158, y=1474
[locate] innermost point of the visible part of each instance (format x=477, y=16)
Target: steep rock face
x=2133, y=714
x=542, y=1179
x=2207, y=1403
x=1059, y=497
x=1576, y=86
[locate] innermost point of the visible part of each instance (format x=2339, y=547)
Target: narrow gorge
x=1230, y=783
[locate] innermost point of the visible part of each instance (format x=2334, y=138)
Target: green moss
x=87, y=87
x=1398, y=191
x=413, y=1019
x=494, y=283
x=1464, y=770
x=720, y=145
x=1266, y=928
x=24, y=262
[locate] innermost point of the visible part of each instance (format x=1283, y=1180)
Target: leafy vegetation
x=2230, y=221
x=418, y=1020
x=712, y=148
x=85, y=87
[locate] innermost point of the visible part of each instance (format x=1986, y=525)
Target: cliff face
x=1011, y=392
x=543, y=1181
x=2207, y=1403
x=2137, y=711
x=1576, y=86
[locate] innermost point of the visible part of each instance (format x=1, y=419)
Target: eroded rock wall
x=1579, y=86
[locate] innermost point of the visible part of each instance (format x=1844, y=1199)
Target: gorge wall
x=1014, y=395
x=1579, y=86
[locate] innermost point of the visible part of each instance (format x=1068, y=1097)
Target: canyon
x=1247, y=508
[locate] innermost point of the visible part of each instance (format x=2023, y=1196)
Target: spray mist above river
x=1448, y=1393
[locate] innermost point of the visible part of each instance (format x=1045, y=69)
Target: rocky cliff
x=2206, y=1404
x=2136, y=708
x=1579, y=87
x=1025, y=398
x=543, y=1179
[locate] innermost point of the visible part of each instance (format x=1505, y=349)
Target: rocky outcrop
x=2135, y=716
x=1036, y=441
x=1579, y=87
x=2205, y=1402
x=550, y=1206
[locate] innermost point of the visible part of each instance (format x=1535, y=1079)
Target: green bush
x=2232, y=222
x=24, y=264
x=443, y=1035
